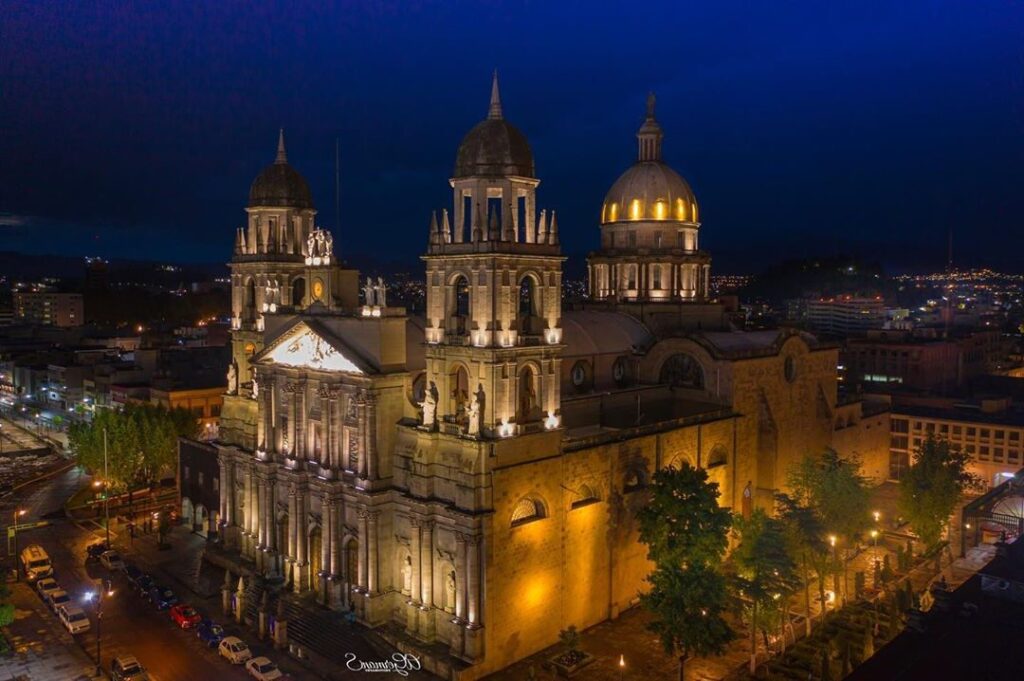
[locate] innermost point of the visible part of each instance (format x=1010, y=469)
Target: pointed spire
x=238, y=241
x=446, y=228
x=495, y=111
x=542, y=227
x=434, y=235
x=282, y=155
x=553, y=230
x=649, y=136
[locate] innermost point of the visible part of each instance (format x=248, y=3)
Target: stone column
x=301, y=450
x=531, y=215
x=333, y=426
x=301, y=560
x=337, y=515
x=427, y=562
x=326, y=511
x=364, y=435
x=364, y=544
x=371, y=550
x=227, y=493
x=291, y=396
x=415, y=549
x=224, y=490
x=473, y=579
x=261, y=519
x=460, y=216
x=460, y=576
x=293, y=523
x=371, y=436
x=271, y=531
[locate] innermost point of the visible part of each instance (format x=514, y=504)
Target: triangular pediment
x=305, y=347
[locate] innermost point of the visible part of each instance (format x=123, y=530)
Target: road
x=130, y=625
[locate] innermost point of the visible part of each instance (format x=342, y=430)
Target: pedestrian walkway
x=43, y=649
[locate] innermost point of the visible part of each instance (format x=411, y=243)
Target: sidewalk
x=43, y=650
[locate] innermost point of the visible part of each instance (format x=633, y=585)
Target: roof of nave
x=597, y=332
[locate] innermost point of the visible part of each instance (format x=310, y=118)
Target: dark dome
x=494, y=147
x=282, y=186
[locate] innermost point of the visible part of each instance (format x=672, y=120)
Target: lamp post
x=99, y=595
x=835, y=559
x=18, y=512
x=622, y=666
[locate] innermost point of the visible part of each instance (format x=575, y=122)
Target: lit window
x=526, y=511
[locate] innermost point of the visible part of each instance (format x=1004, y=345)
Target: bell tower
x=494, y=282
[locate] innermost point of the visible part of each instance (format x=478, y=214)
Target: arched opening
x=404, y=563
x=529, y=308
x=298, y=291
x=458, y=305
x=718, y=457
x=450, y=587
x=282, y=533
x=636, y=478
x=529, y=404
x=585, y=496
x=682, y=371
x=458, y=381
x=199, y=520
x=527, y=510
x=352, y=562
x=188, y=511
x=315, y=558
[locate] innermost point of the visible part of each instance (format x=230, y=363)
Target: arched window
x=636, y=478
x=462, y=297
x=718, y=456
x=458, y=305
x=528, y=402
x=459, y=386
x=298, y=291
x=527, y=510
x=249, y=304
x=682, y=371
x=585, y=496
x=529, y=322
x=582, y=376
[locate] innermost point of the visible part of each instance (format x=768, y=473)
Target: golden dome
x=649, y=190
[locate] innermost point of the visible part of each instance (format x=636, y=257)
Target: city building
x=845, y=315
x=471, y=477
x=49, y=308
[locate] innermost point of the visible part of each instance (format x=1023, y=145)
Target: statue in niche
x=429, y=405
x=381, y=292
x=232, y=378
x=476, y=408
x=407, y=575
x=368, y=293
x=255, y=386
x=449, y=591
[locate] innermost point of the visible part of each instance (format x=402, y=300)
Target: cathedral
x=466, y=481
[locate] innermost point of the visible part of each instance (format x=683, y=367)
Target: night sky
x=805, y=128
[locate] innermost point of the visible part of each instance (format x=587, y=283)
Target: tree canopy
x=932, y=487
x=834, y=487
x=141, y=442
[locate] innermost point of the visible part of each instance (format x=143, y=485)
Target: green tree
x=835, y=488
x=766, y=574
x=805, y=537
x=686, y=533
x=934, y=484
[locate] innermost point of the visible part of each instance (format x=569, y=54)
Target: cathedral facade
x=467, y=481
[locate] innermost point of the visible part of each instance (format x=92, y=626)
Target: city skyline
x=803, y=132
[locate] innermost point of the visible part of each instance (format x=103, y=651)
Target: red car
x=185, y=616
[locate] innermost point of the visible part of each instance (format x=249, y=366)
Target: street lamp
x=622, y=666
x=18, y=512
x=877, y=516
x=99, y=595
x=835, y=559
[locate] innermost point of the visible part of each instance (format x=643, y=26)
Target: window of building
x=526, y=511
x=985, y=433
x=997, y=454
x=679, y=239
x=929, y=427
x=632, y=238
x=957, y=430
x=898, y=464
x=944, y=429
x=657, y=277
x=585, y=496
x=917, y=425
x=1014, y=436
x=1013, y=456
x=900, y=425
x=636, y=479
x=898, y=442
x=970, y=449
x=1000, y=434
x=631, y=277
x=972, y=432
x=657, y=239
x=718, y=456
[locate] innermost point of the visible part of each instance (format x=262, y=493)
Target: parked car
x=112, y=560
x=46, y=585
x=56, y=599
x=185, y=616
x=144, y=583
x=209, y=632
x=94, y=551
x=36, y=563
x=262, y=669
x=73, y=618
x=234, y=650
x=162, y=597
x=132, y=573
x=127, y=668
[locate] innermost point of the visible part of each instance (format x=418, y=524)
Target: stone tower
x=493, y=327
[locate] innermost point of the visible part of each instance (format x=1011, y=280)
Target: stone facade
x=473, y=477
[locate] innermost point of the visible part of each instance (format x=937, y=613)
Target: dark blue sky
x=803, y=127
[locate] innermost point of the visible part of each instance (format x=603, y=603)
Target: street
x=130, y=624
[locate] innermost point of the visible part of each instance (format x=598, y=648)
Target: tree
x=765, y=572
x=682, y=521
x=834, y=487
x=687, y=604
x=934, y=484
x=686, y=533
x=805, y=537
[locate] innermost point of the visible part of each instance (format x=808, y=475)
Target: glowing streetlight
x=622, y=666
x=877, y=516
x=18, y=512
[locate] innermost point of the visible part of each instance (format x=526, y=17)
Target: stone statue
x=449, y=591
x=311, y=244
x=475, y=409
x=368, y=292
x=328, y=243
x=407, y=575
x=255, y=387
x=232, y=378
x=382, y=292
x=429, y=405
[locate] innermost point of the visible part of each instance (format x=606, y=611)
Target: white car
x=55, y=599
x=262, y=669
x=234, y=650
x=73, y=618
x=46, y=585
x=112, y=560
